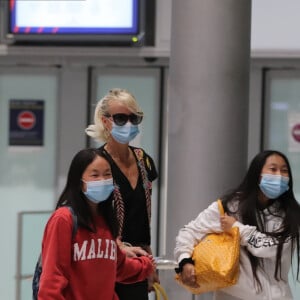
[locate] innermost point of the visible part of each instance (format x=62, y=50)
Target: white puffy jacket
x=257, y=243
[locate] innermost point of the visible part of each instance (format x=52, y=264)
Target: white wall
x=275, y=28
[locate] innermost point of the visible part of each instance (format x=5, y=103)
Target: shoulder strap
x=146, y=182
x=221, y=208
x=74, y=230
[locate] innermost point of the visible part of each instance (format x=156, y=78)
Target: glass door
x=282, y=118
x=28, y=130
x=282, y=126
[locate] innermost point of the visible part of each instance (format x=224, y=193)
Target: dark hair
x=249, y=211
x=73, y=196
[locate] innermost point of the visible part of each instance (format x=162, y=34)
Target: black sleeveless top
x=133, y=213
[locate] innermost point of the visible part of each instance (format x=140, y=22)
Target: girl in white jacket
x=264, y=208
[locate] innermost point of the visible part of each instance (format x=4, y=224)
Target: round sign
x=296, y=132
x=26, y=120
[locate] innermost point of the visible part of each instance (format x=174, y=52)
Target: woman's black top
x=136, y=223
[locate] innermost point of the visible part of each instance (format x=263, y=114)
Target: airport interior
x=218, y=81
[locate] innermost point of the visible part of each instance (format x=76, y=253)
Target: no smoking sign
x=26, y=120
x=296, y=132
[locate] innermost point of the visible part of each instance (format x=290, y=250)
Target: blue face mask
x=124, y=134
x=273, y=186
x=99, y=190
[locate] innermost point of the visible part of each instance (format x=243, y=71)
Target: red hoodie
x=87, y=267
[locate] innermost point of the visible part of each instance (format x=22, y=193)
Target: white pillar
x=207, y=109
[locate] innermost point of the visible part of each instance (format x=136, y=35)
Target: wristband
x=182, y=263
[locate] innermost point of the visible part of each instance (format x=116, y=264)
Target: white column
x=207, y=110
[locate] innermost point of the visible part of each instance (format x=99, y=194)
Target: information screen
x=74, y=17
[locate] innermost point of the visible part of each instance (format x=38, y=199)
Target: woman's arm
x=257, y=243
x=207, y=221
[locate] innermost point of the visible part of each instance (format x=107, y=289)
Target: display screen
x=79, y=16
x=70, y=18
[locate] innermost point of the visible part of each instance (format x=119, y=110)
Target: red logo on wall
x=296, y=132
x=26, y=120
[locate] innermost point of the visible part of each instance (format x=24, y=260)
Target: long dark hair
x=73, y=196
x=249, y=209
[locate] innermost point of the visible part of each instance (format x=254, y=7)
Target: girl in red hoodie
x=85, y=266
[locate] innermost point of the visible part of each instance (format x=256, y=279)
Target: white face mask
x=124, y=134
x=273, y=186
x=99, y=190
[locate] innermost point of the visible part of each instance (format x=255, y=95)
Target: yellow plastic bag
x=159, y=291
x=216, y=260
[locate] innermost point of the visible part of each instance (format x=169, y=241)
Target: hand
x=134, y=251
x=129, y=250
x=227, y=222
x=152, y=261
x=188, y=275
x=151, y=280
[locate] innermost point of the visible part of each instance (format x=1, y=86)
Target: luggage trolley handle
x=165, y=264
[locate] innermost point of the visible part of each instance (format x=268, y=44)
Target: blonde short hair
x=97, y=131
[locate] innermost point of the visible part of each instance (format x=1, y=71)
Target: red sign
x=26, y=120
x=296, y=132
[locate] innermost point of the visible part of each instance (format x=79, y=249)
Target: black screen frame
x=145, y=35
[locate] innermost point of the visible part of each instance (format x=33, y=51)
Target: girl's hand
x=227, y=222
x=188, y=275
x=152, y=279
x=153, y=261
x=134, y=251
x=131, y=251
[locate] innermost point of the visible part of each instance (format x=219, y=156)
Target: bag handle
x=221, y=208
x=159, y=290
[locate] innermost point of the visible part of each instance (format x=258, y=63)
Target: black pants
x=135, y=291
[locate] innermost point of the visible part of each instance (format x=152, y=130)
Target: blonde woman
x=116, y=123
